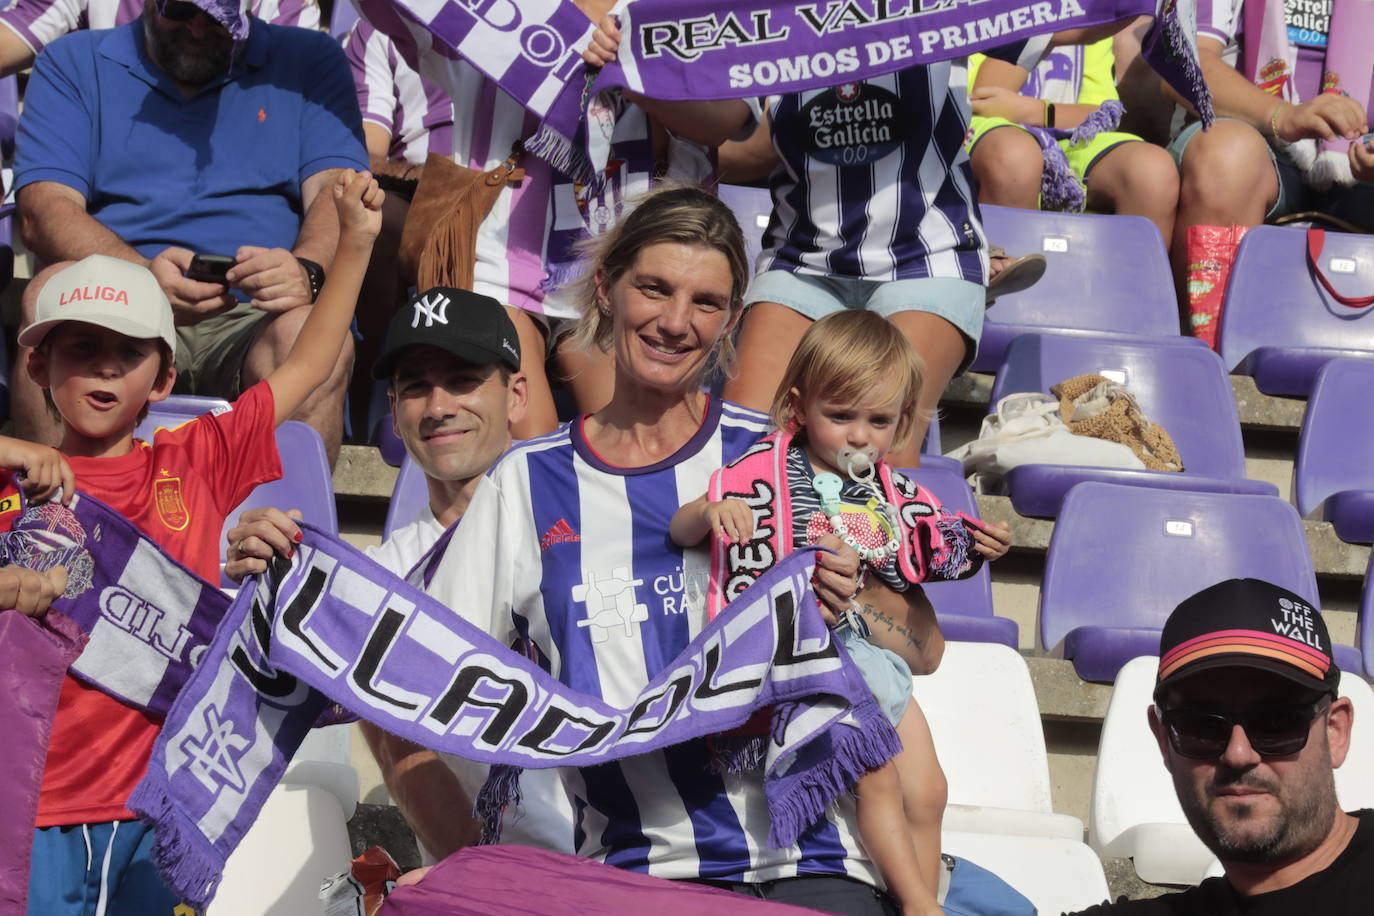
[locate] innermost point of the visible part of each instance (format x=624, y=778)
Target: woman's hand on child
x=359, y=202
x=836, y=579
x=731, y=520
x=991, y=540
x=31, y=592
x=260, y=534
x=605, y=43
x=998, y=102
x=43, y=467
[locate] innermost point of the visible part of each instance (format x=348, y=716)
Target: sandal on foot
x=1022, y=273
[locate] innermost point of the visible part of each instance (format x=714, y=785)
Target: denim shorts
x=1353, y=204
x=960, y=302
x=884, y=672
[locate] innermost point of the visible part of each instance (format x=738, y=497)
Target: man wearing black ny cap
x=452, y=360
x=1251, y=728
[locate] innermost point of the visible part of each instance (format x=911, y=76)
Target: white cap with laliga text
x=105, y=291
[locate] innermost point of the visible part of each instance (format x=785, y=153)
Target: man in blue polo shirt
x=194, y=131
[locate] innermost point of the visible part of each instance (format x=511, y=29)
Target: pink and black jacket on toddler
x=935, y=543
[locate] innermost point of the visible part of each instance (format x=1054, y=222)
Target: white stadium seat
x=301, y=836
x=983, y=714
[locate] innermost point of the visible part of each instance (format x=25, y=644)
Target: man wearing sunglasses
x=1248, y=720
x=195, y=129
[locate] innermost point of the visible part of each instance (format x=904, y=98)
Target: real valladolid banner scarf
x=330, y=625
x=732, y=49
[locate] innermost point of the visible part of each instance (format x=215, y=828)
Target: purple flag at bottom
x=33, y=663
x=518, y=880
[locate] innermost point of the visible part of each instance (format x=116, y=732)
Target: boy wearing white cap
x=103, y=351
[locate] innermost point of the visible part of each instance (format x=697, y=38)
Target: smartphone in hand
x=210, y=268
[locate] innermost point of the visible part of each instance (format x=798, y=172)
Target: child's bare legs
x=924, y=790
x=1139, y=179
x=887, y=837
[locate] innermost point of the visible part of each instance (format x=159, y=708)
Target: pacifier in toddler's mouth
x=861, y=464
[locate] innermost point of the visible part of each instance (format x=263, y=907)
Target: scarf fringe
x=795, y=802
x=176, y=845
x=1302, y=154
x=737, y=753
x=953, y=562
x=1060, y=188
x=1181, y=47
x=500, y=791
x=1330, y=168
x=1107, y=117
x=564, y=154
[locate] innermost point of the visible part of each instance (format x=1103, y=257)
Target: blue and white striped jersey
x=874, y=183
x=573, y=554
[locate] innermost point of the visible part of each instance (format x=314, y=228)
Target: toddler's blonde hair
x=853, y=357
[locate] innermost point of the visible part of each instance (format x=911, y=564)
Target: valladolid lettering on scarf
x=330, y=624
x=731, y=49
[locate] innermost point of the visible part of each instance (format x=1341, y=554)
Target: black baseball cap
x=472, y=327
x=1247, y=623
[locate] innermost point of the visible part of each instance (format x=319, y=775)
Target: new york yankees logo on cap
x=432, y=307
x=472, y=327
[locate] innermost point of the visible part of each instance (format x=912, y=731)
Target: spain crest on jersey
x=171, y=508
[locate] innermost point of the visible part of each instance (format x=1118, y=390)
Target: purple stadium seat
x=1181, y=386
x=1366, y=629
x=752, y=207
x=932, y=456
x=963, y=608
x=307, y=484
x=1121, y=558
x=1278, y=324
x=342, y=18
x=1105, y=274
x=1334, y=471
x=174, y=411
x=408, y=497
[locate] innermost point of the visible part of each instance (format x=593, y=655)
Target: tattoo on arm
x=877, y=618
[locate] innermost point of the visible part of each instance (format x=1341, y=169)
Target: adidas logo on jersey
x=560, y=532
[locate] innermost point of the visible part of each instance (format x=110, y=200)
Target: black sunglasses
x=1273, y=731
x=177, y=10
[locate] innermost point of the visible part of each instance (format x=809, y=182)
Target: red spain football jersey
x=178, y=491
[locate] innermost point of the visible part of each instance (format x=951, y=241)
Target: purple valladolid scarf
x=1270, y=60
x=330, y=624
x=732, y=49
x=143, y=618
x=1060, y=188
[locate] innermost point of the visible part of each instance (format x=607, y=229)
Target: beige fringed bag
x=439, y=242
x=1093, y=405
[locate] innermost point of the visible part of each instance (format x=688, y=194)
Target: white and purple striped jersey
x=874, y=183
x=414, y=112
x=524, y=246
x=572, y=554
x=39, y=22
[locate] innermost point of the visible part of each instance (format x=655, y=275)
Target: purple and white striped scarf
x=331, y=624
x=731, y=49
x=145, y=622
x=148, y=618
